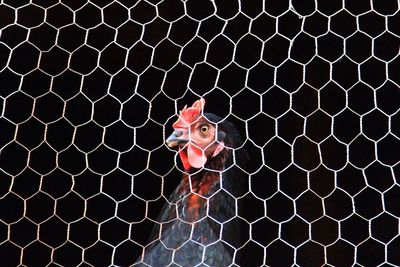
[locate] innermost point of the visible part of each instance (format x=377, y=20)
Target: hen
x=197, y=226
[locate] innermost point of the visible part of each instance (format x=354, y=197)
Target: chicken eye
x=204, y=129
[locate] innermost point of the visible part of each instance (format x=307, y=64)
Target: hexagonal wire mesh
x=90, y=89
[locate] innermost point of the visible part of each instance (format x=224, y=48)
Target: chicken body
x=196, y=223
x=189, y=237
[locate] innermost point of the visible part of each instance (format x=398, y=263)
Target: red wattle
x=184, y=159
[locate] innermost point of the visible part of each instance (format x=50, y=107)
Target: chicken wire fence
x=90, y=89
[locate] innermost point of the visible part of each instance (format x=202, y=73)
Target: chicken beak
x=176, y=138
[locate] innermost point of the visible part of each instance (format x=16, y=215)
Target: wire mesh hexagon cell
x=89, y=92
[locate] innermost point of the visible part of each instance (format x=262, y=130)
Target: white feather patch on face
x=196, y=157
x=219, y=148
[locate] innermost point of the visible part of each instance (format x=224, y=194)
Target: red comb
x=189, y=115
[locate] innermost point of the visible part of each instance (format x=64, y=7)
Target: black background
x=89, y=90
